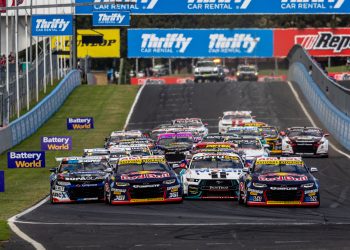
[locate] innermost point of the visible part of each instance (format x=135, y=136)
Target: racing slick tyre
x=240, y=199
x=51, y=197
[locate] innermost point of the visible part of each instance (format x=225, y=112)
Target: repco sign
x=321, y=42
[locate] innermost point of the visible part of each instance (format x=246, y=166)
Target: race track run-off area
x=205, y=224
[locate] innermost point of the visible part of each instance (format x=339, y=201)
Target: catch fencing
x=27, y=124
x=321, y=94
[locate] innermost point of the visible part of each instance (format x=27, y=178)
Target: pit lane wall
x=328, y=108
x=27, y=124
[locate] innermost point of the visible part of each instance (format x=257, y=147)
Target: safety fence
x=337, y=94
x=336, y=122
x=27, y=124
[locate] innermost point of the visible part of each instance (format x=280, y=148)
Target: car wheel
x=51, y=197
x=240, y=198
x=107, y=195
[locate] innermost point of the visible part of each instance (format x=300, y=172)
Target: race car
x=234, y=118
x=175, y=146
x=246, y=131
x=306, y=141
x=272, y=138
x=193, y=124
x=284, y=181
x=117, y=136
x=142, y=180
x=96, y=152
x=214, y=146
x=251, y=147
x=218, y=137
x=132, y=149
x=212, y=176
x=78, y=179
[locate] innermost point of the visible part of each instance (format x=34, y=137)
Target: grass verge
x=108, y=105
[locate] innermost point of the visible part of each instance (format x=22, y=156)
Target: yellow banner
x=110, y=48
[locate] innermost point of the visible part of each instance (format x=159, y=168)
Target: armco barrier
x=336, y=122
x=27, y=124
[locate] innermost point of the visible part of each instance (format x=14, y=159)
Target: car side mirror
x=282, y=133
x=53, y=170
x=313, y=170
x=205, y=124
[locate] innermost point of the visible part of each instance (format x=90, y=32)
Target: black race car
x=279, y=182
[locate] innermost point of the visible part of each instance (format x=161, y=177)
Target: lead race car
x=212, y=176
x=232, y=119
x=284, y=181
x=78, y=179
x=194, y=125
x=306, y=141
x=142, y=179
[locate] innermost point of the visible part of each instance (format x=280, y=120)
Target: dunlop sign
x=29, y=159
x=109, y=48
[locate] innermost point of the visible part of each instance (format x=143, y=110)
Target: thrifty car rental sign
x=52, y=25
x=199, y=43
x=173, y=7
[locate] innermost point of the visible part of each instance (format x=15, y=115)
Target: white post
x=37, y=68
x=7, y=68
x=44, y=50
x=57, y=59
x=17, y=68
x=64, y=58
x=27, y=62
x=51, y=64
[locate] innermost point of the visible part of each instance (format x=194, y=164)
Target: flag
x=19, y=2
x=2, y=4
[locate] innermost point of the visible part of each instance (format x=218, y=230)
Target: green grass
x=4, y=231
x=342, y=68
x=109, y=105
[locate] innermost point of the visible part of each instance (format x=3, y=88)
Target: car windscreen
x=248, y=144
x=269, y=132
x=233, y=117
x=206, y=64
x=168, y=141
x=82, y=167
x=247, y=69
x=253, y=133
x=129, y=168
x=215, y=163
x=296, y=133
x=285, y=168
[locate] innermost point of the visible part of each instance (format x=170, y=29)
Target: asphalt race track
x=205, y=224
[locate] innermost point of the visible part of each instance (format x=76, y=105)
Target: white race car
x=212, y=176
x=310, y=141
x=194, y=125
x=234, y=118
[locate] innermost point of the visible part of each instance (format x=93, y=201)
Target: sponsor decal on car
x=144, y=175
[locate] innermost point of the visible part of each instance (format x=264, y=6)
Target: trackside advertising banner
x=52, y=25
x=199, y=43
x=321, y=42
x=2, y=181
x=80, y=123
x=111, y=19
x=29, y=159
x=215, y=7
x=56, y=143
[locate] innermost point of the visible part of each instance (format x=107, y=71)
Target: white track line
x=296, y=95
x=21, y=234
x=133, y=106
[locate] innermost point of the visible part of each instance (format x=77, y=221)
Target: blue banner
x=56, y=143
x=52, y=25
x=190, y=7
x=80, y=123
x=111, y=19
x=2, y=181
x=190, y=43
x=32, y=159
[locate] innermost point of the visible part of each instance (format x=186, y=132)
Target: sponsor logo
x=218, y=4
x=118, y=190
x=121, y=4
x=54, y=25
x=238, y=43
x=311, y=191
x=26, y=159
x=283, y=188
x=56, y=143
x=255, y=191
x=324, y=41
x=218, y=188
x=170, y=43
x=311, y=4
x=80, y=123
x=144, y=176
x=119, y=197
x=59, y=195
x=174, y=188
x=282, y=178
x=146, y=186
x=82, y=178
x=111, y=19
x=59, y=188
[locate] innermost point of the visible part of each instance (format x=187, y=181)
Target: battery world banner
x=109, y=48
x=56, y=143
x=2, y=181
x=52, y=25
x=199, y=43
x=190, y=7
x=80, y=123
x=322, y=42
x=30, y=159
x=111, y=19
